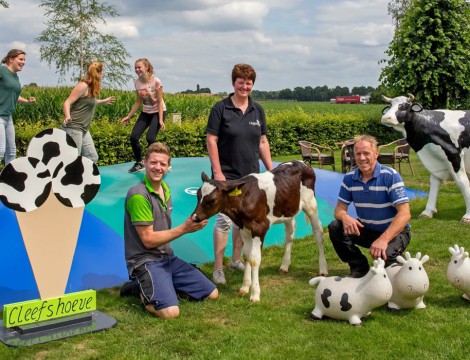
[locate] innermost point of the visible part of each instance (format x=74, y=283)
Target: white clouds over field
x=290, y=43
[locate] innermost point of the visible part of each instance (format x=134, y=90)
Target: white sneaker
x=237, y=265
x=219, y=277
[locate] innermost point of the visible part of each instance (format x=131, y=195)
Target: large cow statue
x=441, y=139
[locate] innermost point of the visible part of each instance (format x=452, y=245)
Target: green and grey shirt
x=144, y=206
x=10, y=90
x=81, y=112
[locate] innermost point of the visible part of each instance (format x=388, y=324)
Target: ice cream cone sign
x=48, y=189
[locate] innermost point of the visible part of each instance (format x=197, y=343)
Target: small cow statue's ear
x=204, y=177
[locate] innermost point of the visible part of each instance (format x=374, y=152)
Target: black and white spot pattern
x=52, y=162
x=25, y=184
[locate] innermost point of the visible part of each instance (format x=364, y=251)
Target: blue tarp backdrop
x=99, y=255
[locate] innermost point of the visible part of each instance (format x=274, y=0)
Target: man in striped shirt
x=382, y=208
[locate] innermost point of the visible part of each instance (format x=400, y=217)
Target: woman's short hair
x=243, y=71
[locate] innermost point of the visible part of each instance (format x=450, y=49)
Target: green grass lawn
x=278, y=327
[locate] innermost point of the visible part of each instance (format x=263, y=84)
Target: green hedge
x=285, y=129
x=288, y=122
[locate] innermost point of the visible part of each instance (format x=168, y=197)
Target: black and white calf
x=441, y=139
x=257, y=201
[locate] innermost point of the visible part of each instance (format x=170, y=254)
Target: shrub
x=285, y=129
x=288, y=122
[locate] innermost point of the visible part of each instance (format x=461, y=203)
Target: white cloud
x=122, y=29
x=18, y=45
x=290, y=43
x=229, y=16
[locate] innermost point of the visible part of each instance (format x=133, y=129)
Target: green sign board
x=28, y=312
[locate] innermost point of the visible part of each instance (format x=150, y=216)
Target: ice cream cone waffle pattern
x=48, y=189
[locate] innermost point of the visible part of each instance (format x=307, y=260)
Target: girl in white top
x=149, y=93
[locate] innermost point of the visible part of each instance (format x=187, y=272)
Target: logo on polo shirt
x=255, y=123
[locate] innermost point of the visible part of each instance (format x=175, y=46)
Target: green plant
x=287, y=124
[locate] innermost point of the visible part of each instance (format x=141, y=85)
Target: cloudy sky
x=290, y=43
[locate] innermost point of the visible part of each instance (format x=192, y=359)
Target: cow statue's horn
x=386, y=99
x=411, y=98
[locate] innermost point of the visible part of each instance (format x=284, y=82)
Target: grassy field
x=278, y=327
x=50, y=101
x=308, y=107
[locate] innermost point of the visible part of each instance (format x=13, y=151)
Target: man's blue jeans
x=345, y=245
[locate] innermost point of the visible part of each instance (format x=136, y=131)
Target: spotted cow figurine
x=410, y=282
x=458, y=270
x=344, y=298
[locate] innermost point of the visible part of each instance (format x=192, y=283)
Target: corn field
x=49, y=105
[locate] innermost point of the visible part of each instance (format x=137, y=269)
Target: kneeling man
x=160, y=275
x=382, y=208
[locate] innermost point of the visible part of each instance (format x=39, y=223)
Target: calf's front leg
x=247, y=246
x=252, y=252
x=289, y=228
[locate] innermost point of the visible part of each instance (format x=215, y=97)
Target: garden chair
x=313, y=153
x=401, y=153
x=347, y=155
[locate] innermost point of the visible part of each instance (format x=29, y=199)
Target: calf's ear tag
x=235, y=192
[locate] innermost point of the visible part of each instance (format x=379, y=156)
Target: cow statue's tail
x=316, y=280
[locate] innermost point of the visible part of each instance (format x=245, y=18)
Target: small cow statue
x=410, y=282
x=344, y=298
x=458, y=270
x=440, y=138
x=257, y=201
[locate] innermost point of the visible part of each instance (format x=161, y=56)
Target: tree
x=309, y=93
x=322, y=93
x=4, y=4
x=429, y=55
x=285, y=94
x=339, y=91
x=299, y=94
x=397, y=9
x=71, y=40
x=361, y=90
x=376, y=95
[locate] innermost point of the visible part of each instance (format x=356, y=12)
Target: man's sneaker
x=130, y=288
x=137, y=167
x=237, y=265
x=219, y=277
